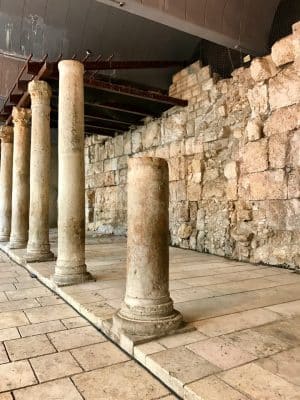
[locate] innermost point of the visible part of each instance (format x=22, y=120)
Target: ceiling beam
x=133, y=92
x=52, y=67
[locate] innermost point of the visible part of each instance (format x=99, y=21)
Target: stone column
x=70, y=267
x=6, y=135
x=38, y=247
x=20, y=191
x=147, y=309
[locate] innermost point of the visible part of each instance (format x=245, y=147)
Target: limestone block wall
x=234, y=160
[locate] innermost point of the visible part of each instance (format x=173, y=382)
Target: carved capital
x=21, y=116
x=40, y=92
x=6, y=134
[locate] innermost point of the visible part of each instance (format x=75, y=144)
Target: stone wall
x=234, y=158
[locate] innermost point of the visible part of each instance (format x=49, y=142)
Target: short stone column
x=6, y=136
x=70, y=267
x=38, y=247
x=147, y=309
x=20, y=191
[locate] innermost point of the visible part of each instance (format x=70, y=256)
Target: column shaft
x=70, y=267
x=6, y=136
x=38, y=248
x=20, y=191
x=147, y=308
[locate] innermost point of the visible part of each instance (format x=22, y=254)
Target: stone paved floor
x=246, y=344
x=49, y=352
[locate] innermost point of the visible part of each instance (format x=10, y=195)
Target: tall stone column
x=147, y=309
x=20, y=191
x=6, y=135
x=70, y=267
x=38, y=247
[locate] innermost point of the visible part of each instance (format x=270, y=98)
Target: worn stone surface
x=20, y=189
x=147, y=308
x=70, y=266
x=38, y=247
x=40, y=366
x=232, y=150
x=6, y=135
x=283, y=51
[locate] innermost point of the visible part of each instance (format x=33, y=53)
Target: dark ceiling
x=187, y=30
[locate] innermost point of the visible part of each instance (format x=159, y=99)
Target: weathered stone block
x=294, y=150
x=174, y=127
x=258, y=99
x=136, y=142
x=178, y=191
x=278, y=150
x=151, y=135
x=185, y=231
x=284, y=89
x=231, y=170
x=110, y=164
x=176, y=168
x=127, y=143
x=215, y=188
x=262, y=68
x=177, y=148
x=283, y=120
x=232, y=190
x=255, y=156
x=294, y=184
x=119, y=147
x=264, y=185
x=193, y=191
x=254, y=129
x=283, y=51
x=162, y=151
x=194, y=146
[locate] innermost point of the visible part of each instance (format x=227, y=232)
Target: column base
x=14, y=244
x=146, y=327
x=71, y=279
x=39, y=257
x=4, y=238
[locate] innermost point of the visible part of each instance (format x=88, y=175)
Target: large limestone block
x=278, y=150
x=294, y=150
x=259, y=100
x=255, y=156
x=283, y=51
x=262, y=68
x=284, y=89
x=283, y=120
x=254, y=129
x=294, y=184
x=174, y=127
x=231, y=170
x=151, y=135
x=264, y=185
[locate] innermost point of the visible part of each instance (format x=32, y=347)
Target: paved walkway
x=246, y=342
x=49, y=352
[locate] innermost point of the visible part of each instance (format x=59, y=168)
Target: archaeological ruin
x=150, y=200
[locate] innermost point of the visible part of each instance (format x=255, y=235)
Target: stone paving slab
x=48, y=352
x=246, y=319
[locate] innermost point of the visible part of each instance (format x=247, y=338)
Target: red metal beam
x=133, y=92
x=52, y=68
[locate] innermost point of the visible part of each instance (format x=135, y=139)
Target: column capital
x=21, y=116
x=71, y=66
x=6, y=134
x=40, y=92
